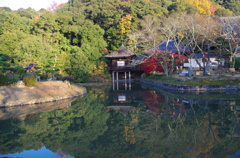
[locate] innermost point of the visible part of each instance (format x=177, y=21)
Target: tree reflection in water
x=144, y=123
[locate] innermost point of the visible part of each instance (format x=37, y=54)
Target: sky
x=35, y=4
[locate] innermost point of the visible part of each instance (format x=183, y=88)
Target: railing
x=125, y=68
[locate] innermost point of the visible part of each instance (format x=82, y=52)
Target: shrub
x=58, y=76
x=30, y=80
x=228, y=64
x=15, y=79
x=4, y=80
x=43, y=76
x=68, y=78
x=237, y=63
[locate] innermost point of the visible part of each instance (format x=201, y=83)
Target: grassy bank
x=194, y=80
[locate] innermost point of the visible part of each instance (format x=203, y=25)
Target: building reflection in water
x=128, y=95
x=125, y=84
x=123, y=97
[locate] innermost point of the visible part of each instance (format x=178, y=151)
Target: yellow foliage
x=203, y=6
x=125, y=24
x=134, y=116
x=129, y=134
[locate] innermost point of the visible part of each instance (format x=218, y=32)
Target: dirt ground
x=43, y=92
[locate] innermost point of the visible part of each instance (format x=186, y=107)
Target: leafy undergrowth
x=193, y=81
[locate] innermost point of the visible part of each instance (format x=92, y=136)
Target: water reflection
x=132, y=123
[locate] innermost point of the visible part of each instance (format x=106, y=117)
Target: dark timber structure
x=121, y=66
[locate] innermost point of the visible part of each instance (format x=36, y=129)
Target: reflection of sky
x=41, y=153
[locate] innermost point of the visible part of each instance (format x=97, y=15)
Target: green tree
x=11, y=21
x=33, y=49
x=222, y=12
x=78, y=65
x=232, y=5
x=49, y=29
x=6, y=63
x=10, y=40
x=28, y=13
x=84, y=59
x=46, y=25
x=107, y=14
x=5, y=9
x=182, y=7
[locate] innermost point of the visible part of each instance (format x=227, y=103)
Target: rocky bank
x=42, y=92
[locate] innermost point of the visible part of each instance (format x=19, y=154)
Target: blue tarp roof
x=29, y=66
x=171, y=47
x=236, y=155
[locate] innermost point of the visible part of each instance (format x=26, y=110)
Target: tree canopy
x=70, y=37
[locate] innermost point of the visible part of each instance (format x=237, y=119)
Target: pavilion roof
x=120, y=53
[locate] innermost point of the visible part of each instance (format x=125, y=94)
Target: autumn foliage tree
x=162, y=61
x=125, y=24
x=203, y=6
x=151, y=65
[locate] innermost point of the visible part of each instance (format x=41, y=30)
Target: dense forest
x=71, y=38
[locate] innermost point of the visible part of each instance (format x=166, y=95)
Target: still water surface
x=127, y=122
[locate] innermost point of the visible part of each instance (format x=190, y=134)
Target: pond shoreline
x=42, y=92
x=190, y=88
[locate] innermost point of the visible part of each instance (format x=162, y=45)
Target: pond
x=126, y=122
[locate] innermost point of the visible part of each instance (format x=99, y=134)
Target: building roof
x=170, y=46
x=200, y=55
x=30, y=66
x=120, y=53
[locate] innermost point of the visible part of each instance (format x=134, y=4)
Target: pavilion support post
x=117, y=76
x=125, y=73
x=117, y=80
x=129, y=73
x=113, y=80
x=113, y=76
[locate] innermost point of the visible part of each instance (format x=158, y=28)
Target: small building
x=30, y=68
x=121, y=64
x=238, y=55
x=214, y=60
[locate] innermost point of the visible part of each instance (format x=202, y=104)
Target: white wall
x=193, y=63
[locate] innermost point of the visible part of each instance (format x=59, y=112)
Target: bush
x=68, y=78
x=15, y=79
x=43, y=76
x=30, y=80
x=228, y=64
x=4, y=80
x=58, y=76
x=237, y=63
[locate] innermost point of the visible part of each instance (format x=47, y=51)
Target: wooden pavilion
x=121, y=66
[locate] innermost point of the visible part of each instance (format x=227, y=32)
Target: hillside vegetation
x=71, y=38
